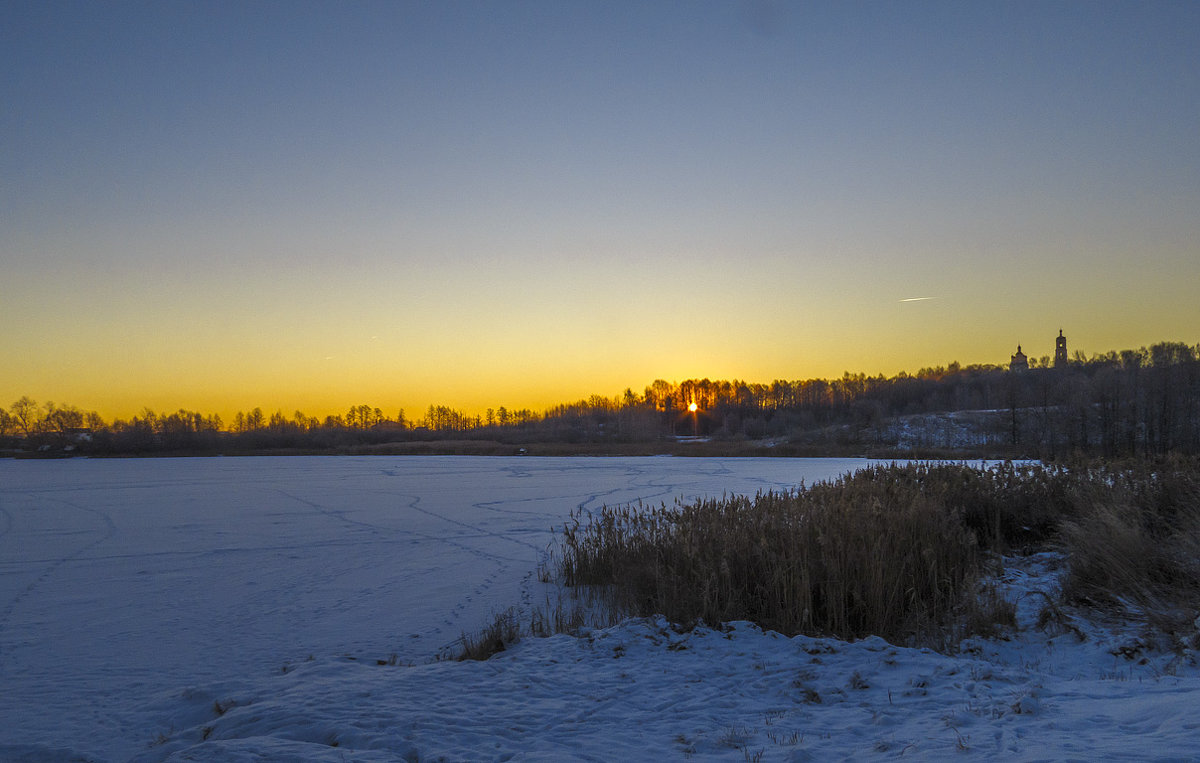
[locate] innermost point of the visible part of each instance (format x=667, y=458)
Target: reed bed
x=903, y=551
x=898, y=551
x=875, y=553
x=1133, y=543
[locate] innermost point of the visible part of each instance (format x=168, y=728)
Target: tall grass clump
x=501, y=633
x=1133, y=540
x=890, y=551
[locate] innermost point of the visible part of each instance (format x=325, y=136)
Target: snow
x=291, y=609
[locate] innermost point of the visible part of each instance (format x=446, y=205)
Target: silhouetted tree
x=26, y=416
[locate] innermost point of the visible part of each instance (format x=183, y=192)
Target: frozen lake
x=125, y=582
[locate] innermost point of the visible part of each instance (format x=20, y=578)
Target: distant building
x=1019, y=362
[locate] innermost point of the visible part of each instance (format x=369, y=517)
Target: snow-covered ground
x=950, y=430
x=289, y=609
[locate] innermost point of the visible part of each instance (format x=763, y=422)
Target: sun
x=693, y=407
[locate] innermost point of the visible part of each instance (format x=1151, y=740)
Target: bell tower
x=1060, y=351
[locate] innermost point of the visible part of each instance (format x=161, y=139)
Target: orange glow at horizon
x=383, y=373
x=416, y=212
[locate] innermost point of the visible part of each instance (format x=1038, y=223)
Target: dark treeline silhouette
x=1127, y=403
x=1133, y=402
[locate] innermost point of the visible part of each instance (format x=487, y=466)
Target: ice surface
x=123, y=582
x=240, y=610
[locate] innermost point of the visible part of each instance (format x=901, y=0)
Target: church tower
x=1019, y=361
x=1060, y=351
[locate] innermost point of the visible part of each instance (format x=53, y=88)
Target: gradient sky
x=310, y=205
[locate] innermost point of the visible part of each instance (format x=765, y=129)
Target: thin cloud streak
x=918, y=299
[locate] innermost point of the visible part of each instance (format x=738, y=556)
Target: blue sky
x=222, y=205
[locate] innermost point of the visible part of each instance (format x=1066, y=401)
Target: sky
x=311, y=205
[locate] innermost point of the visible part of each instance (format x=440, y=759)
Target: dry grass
x=572, y=613
x=1133, y=543
x=886, y=551
x=899, y=551
x=504, y=631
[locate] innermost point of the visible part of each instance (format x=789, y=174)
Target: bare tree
x=26, y=415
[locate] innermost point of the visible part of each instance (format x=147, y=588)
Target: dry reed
x=1133, y=542
x=897, y=551
x=883, y=552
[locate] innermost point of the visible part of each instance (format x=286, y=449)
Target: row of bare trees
x=28, y=420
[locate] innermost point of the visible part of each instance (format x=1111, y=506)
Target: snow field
x=131, y=588
x=290, y=609
x=643, y=691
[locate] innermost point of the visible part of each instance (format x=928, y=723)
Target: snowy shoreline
x=643, y=691
x=289, y=609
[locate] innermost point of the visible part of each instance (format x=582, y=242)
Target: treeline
x=52, y=429
x=1126, y=403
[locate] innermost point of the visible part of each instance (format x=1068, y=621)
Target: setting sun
x=394, y=203
x=692, y=407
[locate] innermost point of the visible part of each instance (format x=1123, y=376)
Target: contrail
x=917, y=299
